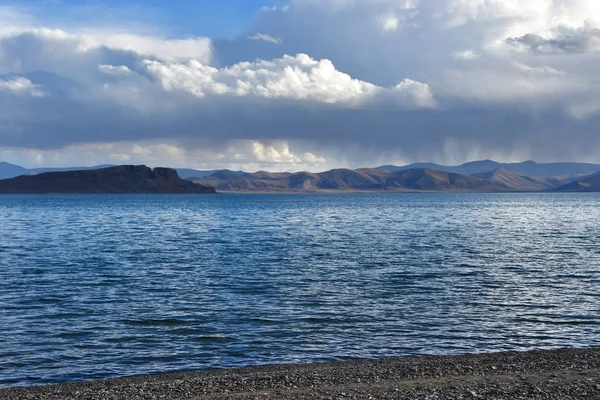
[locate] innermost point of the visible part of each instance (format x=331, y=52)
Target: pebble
x=557, y=374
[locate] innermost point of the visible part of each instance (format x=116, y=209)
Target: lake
x=98, y=287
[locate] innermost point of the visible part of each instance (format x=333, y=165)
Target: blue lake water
x=105, y=286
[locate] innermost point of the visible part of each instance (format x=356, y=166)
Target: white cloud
x=542, y=25
x=266, y=38
x=300, y=78
x=390, y=23
x=415, y=93
x=278, y=152
x=271, y=154
x=148, y=46
x=295, y=78
x=161, y=48
x=114, y=70
x=21, y=86
x=536, y=70
x=310, y=158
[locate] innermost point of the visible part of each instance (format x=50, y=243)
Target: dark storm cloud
x=421, y=134
x=569, y=41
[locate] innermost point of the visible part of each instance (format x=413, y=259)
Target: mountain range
x=478, y=176
x=531, y=168
x=351, y=180
x=416, y=179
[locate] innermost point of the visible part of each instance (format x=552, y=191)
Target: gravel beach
x=558, y=374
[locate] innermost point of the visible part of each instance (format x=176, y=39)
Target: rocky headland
x=123, y=179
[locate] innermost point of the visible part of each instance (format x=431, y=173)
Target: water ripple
x=105, y=286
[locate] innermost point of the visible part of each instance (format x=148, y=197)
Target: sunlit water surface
x=106, y=286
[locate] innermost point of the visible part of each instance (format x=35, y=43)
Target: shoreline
x=326, y=192
x=545, y=374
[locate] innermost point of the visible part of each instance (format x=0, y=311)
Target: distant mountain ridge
x=188, y=173
x=516, y=181
x=414, y=180
x=8, y=170
x=530, y=168
x=111, y=180
x=587, y=184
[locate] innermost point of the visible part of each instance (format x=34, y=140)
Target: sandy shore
x=560, y=374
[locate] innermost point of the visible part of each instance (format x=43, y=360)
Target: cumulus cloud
x=297, y=78
x=280, y=153
x=414, y=94
x=114, y=70
x=21, y=86
x=271, y=154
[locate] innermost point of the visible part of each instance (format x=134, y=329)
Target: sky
x=294, y=85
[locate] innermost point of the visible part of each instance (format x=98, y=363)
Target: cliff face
x=121, y=179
